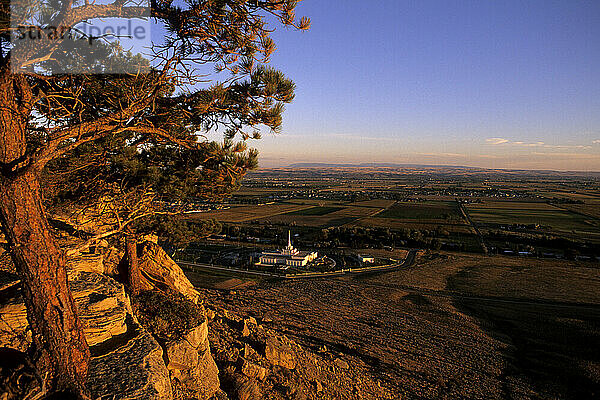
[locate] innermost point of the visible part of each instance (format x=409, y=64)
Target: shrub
x=168, y=316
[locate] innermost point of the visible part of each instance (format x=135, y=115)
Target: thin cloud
x=457, y=155
x=496, y=140
x=567, y=155
x=559, y=146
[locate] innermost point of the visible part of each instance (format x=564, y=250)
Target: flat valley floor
x=448, y=327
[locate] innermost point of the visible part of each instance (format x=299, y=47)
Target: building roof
x=288, y=252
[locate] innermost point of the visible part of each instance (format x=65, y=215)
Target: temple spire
x=289, y=240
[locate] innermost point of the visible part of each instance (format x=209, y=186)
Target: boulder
x=198, y=336
x=201, y=381
x=249, y=351
x=183, y=354
x=341, y=363
x=158, y=269
x=190, y=362
x=132, y=370
x=252, y=370
x=279, y=352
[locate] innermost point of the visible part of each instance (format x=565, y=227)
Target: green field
x=546, y=216
x=315, y=211
x=437, y=210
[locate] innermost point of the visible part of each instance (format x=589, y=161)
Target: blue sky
x=504, y=84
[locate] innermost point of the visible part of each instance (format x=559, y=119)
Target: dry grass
x=452, y=326
x=378, y=203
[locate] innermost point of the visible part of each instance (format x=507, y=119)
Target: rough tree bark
x=133, y=277
x=59, y=341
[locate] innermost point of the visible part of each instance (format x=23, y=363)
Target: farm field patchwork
x=430, y=210
x=430, y=225
x=315, y=211
x=376, y=203
x=249, y=213
x=542, y=214
x=321, y=221
x=589, y=209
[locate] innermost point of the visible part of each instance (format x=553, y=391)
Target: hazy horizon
x=483, y=84
x=309, y=164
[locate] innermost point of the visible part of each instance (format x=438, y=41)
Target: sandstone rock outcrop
x=87, y=262
x=190, y=363
x=279, y=352
x=158, y=269
x=134, y=370
x=183, y=354
x=252, y=370
x=201, y=381
x=102, y=304
x=126, y=360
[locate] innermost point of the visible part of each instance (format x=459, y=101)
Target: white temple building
x=288, y=256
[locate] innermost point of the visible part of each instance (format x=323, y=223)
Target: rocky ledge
x=128, y=362
x=187, y=347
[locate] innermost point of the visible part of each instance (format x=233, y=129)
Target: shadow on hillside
x=554, y=346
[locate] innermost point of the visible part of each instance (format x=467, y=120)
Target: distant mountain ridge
x=320, y=165
x=373, y=165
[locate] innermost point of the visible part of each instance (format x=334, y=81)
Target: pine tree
x=130, y=142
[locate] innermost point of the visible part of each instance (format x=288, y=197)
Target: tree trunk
x=134, y=278
x=57, y=331
x=58, y=337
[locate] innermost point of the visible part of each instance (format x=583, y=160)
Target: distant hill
x=373, y=165
x=436, y=168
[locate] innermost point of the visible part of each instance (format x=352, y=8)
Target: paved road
x=466, y=215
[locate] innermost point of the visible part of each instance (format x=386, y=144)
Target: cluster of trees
x=539, y=244
x=352, y=237
x=359, y=237
x=565, y=200
x=104, y=153
x=277, y=233
x=176, y=233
